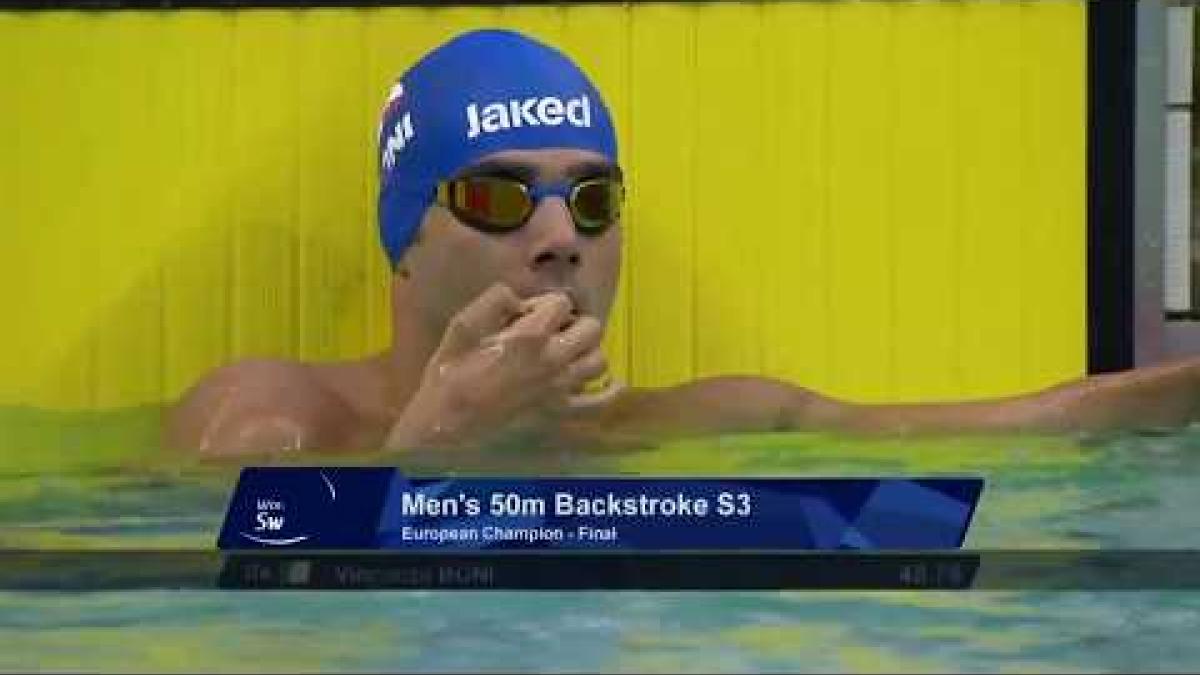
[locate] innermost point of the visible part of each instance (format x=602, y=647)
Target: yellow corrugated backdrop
x=880, y=200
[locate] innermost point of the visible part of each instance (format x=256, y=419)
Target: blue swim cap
x=482, y=92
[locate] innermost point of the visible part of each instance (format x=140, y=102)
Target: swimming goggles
x=500, y=204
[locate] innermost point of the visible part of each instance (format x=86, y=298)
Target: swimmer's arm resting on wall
x=266, y=407
x=1152, y=397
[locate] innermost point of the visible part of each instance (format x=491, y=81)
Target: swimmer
x=500, y=210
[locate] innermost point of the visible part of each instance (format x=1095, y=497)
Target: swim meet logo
x=280, y=507
x=271, y=525
x=550, y=111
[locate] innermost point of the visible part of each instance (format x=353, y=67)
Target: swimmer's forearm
x=1162, y=396
x=927, y=418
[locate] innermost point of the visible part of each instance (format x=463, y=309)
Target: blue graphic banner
x=353, y=508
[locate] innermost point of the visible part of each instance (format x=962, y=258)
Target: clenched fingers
x=489, y=313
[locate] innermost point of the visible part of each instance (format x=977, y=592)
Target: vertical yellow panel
x=18, y=362
x=63, y=169
x=660, y=273
x=1053, y=109
x=860, y=262
x=598, y=38
x=729, y=146
x=793, y=182
x=541, y=23
x=196, y=261
x=990, y=257
x=262, y=166
x=334, y=212
x=921, y=151
x=140, y=105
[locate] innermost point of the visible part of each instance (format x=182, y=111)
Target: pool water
x=95, y=480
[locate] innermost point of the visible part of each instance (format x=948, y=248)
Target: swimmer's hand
x=505, y=369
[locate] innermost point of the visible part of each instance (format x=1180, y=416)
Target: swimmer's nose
x=556, y=247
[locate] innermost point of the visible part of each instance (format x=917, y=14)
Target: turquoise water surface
x=72, y=481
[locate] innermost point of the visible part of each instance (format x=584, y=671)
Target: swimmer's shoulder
x=258, y=406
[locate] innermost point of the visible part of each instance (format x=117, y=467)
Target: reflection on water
x=96, y=481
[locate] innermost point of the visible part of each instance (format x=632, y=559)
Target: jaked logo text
x=549, y=111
